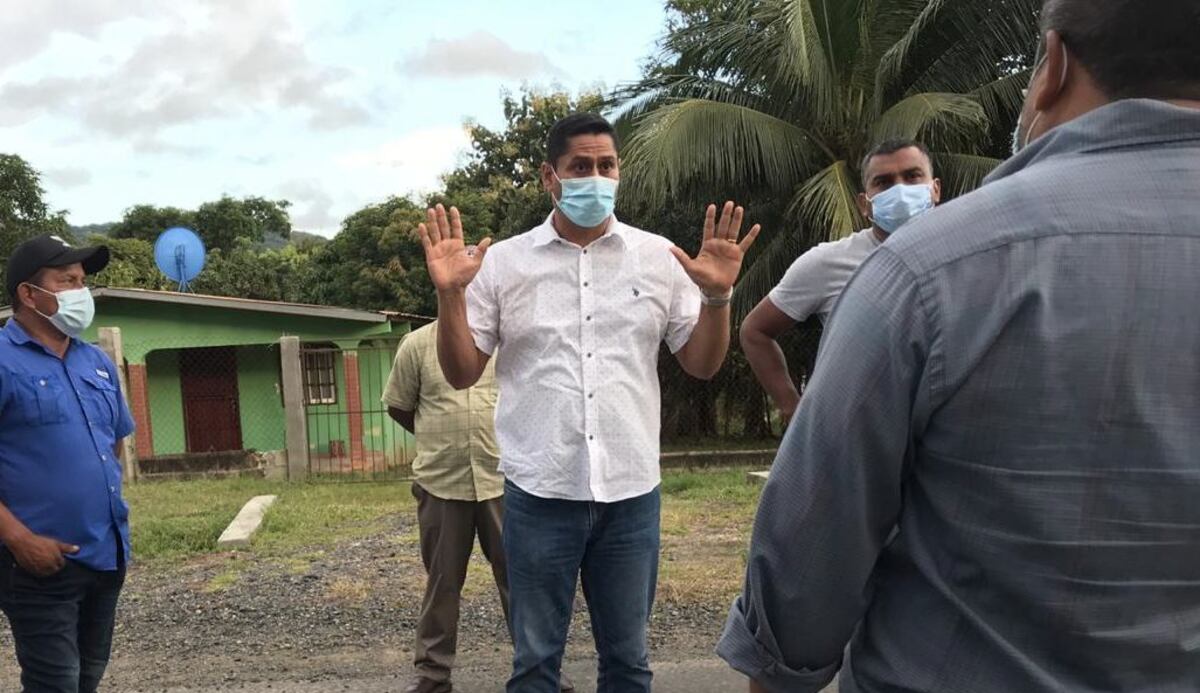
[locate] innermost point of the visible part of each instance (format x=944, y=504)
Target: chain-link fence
x=732, y=410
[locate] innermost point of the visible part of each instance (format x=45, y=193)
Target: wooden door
x=212, y=419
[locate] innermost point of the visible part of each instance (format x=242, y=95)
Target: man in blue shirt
x=64, y=527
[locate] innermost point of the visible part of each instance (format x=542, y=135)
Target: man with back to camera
x=577, y=308
x=991, y=482
x=897, y=177
x=63, y=523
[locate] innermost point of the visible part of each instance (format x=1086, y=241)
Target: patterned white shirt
x=578, y=332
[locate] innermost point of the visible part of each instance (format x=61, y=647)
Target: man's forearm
x=705, y=350
x=770, y=368
x=457, y=355
x=407, y=419
x=12, y=530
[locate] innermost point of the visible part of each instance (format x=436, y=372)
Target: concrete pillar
x=110, y=342
x=354, y=407
x=296, y=420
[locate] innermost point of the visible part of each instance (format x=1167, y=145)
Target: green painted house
x=204, y=376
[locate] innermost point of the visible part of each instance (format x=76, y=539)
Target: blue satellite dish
x=179, y=254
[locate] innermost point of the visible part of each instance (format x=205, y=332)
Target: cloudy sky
x=330, y=104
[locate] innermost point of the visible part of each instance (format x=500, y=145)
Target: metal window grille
x=320, y=377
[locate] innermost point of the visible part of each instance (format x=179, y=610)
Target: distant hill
x=86, y=230
x=274, y=242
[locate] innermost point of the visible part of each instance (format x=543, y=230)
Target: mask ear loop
x=1062, y=82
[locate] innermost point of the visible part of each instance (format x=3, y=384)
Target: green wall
x=154, y=332
x=147, y=326
x=166, y=402
x=260, y=399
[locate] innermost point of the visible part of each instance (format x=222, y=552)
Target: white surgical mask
x=895, y=206
x=76, y=309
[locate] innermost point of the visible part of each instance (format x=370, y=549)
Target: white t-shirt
x=815, y=280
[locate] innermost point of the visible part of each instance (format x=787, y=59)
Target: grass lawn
x=706, y=522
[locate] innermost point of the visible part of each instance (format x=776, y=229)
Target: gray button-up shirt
x=993, y=479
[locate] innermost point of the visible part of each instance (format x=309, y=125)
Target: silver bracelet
x=716, y=301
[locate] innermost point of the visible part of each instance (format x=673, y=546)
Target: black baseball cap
x=33, y=255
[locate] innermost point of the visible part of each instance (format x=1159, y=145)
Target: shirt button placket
x=589, y=352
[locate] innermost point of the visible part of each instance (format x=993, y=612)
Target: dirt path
x=342, y=620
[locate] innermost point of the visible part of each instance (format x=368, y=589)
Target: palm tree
x=778, y=100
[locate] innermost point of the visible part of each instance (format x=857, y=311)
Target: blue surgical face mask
x=587, y=202
x=893, y=207
x=76, y=309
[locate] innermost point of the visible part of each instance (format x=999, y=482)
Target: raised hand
x=715, y=268
x=452, y=265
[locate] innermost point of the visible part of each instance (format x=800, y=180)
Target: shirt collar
x=18, y=336
x=15, y=333
x=1126, y=123
x=545, y=234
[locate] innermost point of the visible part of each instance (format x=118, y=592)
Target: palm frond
x=940, y=120
x=774, y=255
x=893, y=62
x=961, y=173
x=827, y=202
x=720, y=145
x=1002, y=98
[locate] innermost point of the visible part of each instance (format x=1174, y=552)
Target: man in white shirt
x=577, y=308
x=899, y=184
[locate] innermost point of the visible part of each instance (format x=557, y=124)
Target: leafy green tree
x=247, y=271
x=375, y=262
x=131, y=264
x=220, y=223
x=23, y=209
x=146, y=222
x=776, y=102
x=499, y=191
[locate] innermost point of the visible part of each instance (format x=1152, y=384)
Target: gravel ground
x=324, y=620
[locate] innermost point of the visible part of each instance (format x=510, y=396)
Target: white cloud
x=213, y=60
x=430, y=149
x=312, y=205
x=478, y=54
x=68, y=177
x=29, y=27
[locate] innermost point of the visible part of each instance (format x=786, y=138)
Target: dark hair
x=891, y=147
x=559, y=139
x=1132, y=48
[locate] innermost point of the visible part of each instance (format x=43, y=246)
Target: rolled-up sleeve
x=684, y=309
x=483, y=307
x=834, y=492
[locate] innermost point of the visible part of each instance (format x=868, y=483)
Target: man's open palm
x=452, y=265
x=715, y=268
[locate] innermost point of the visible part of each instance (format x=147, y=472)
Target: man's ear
x=549, y=183
x=1051, y=83
x=864, y=206
x=937, y=190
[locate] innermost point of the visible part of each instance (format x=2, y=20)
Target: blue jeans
x=613, y=548
x=62, y=625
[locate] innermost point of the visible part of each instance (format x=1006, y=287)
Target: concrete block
x=759, y=476
x=247, y=522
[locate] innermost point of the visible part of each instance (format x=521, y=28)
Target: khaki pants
x=448, y=530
